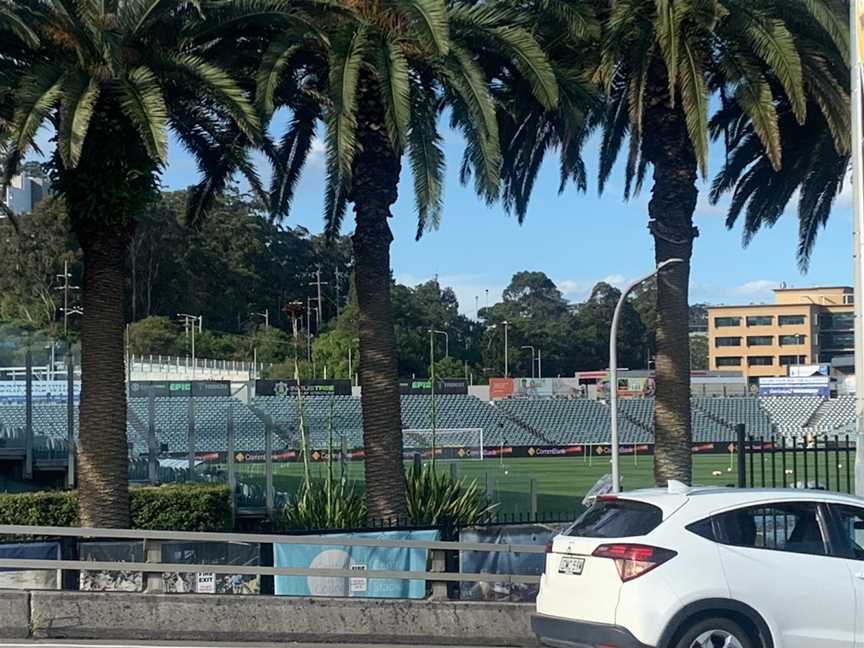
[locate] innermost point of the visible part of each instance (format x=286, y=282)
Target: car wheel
x=716, y=633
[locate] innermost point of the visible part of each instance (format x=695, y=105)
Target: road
x=183, y=644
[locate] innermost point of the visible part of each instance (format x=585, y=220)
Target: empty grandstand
x=205, y=419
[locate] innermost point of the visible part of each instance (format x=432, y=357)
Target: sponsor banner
x=641, y=387
x=502, y=562
x=546, y=388
x=289, y=388
x=500, y=388
x=211, y=553
x=44, y=391
x=798, y=371
x=453, y=453
x=356, y=559
x=26, y=578
x=447, y=386
x=178, y=389
x=796, y=386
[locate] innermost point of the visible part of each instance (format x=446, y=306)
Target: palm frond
x=426, y=158
x=694, y=102
x=143, y=103
x=291, y=155
x=216, y=83
x=270, y=72
x=395, y=86
x=76, y=110
x=430, y=18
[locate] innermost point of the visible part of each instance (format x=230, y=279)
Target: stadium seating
x=790, y=415
x=516, y=422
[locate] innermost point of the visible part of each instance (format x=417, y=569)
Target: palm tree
x=816, y=153
x=384, y=73
x=110, y=79
x=658, y=64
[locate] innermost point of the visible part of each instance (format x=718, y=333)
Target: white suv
x=707, y=568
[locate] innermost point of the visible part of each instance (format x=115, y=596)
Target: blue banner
x=29, y=579
x=358, y=559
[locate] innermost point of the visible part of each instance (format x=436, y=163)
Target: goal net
x=448, y=443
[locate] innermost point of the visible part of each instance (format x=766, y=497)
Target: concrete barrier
x=160, y=617
x=14, y=614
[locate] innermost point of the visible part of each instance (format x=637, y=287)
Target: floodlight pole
x=856, y=11
x=613, y=370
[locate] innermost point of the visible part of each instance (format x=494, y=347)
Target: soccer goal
x=449, y=443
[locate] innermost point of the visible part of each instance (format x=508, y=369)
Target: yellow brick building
x=803, y=326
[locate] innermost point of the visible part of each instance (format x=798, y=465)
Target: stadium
x=539, y=448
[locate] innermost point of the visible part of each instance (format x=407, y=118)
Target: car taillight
x=549, y=547
x=633, y=560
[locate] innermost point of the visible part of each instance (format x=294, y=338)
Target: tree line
x=240, y=272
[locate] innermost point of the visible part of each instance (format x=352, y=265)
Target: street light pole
x=855, y=9
x=613, y=370
x=539, y=363
x=528, y=346
x=506, y=357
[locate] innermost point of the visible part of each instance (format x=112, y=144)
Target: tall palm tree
x=110, y=79
x=385, y=72
x=658, y=65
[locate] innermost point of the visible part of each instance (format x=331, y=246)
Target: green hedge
x=174, y=507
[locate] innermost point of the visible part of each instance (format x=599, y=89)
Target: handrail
x=252, y=538
x=156, y=567
x=255, y=570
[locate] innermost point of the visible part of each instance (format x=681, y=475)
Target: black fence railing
x=823, y=462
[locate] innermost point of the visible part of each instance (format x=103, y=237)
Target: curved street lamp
x=613, y=369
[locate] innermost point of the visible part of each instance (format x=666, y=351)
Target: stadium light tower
x=613, y=369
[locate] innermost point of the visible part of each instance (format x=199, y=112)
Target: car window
x=851, y=522
x=617, y=519
x=793, y=526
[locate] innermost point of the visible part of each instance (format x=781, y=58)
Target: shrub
x=53, y=508
x=436, y=498
x=174, y=507
x=181, y=507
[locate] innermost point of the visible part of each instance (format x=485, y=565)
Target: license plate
x=571, y=565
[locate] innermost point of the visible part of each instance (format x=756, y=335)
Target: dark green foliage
x=180, y=507
x=59, y=508
x=436, y=498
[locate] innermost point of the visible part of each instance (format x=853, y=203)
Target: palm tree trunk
x=103, y=477
x=673, y=201
x=374, y=190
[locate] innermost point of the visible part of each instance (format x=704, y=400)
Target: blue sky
x=576, y=239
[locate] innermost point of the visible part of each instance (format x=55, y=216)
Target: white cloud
x=756, y=287
x=705, y=208
x=317, y=151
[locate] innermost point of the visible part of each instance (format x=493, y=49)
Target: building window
x=721, y=322
x=787, y=360
x=791, y=340
x=790, y=320
x=849, y=300
x=837, y=340
x=727, y=342
x=760, y=320
x=728, y=362
x=837, y=321
x=760, y=361
x=760, y=340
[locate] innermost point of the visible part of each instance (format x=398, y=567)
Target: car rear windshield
x=617, y=519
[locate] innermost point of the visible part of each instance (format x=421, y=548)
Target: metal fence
x=825, y=462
